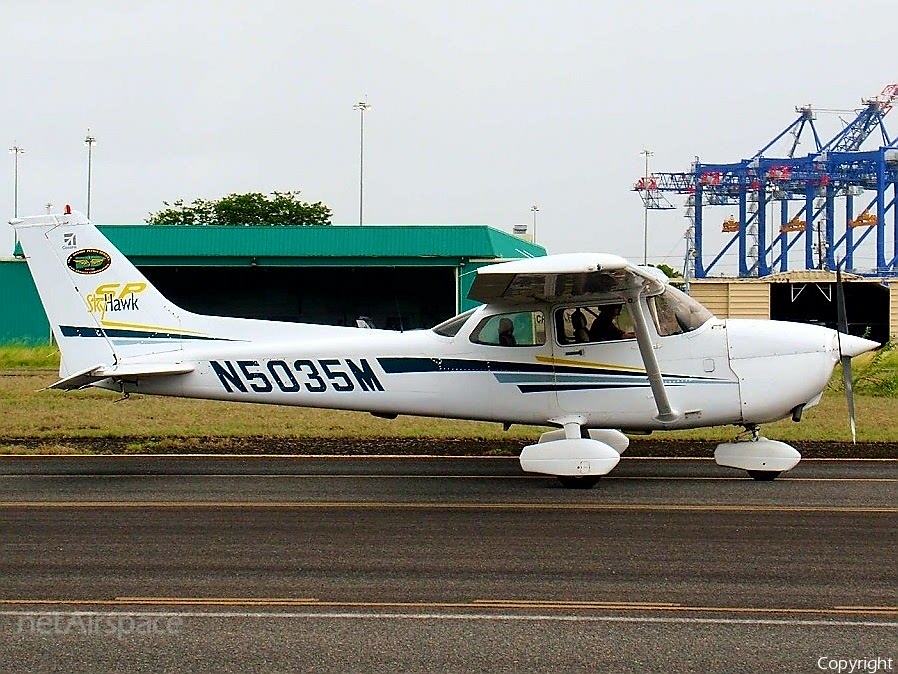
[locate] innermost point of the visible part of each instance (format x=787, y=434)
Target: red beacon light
x=68, y=209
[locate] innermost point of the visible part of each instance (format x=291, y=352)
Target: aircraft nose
x=854, y=346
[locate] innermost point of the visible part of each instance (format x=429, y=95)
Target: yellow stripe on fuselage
x=151, y=328
x=549, y=360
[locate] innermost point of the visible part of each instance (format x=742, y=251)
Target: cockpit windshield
x=451, y=327
x=674, y=312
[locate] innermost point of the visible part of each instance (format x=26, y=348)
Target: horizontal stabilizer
x=130, y=370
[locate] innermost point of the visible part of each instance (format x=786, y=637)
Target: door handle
x=578, y=352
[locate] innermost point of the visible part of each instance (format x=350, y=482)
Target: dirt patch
x=400, y=446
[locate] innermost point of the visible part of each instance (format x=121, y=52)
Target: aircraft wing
x=562, y=277
x=97, y=373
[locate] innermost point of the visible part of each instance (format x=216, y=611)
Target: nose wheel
x=761, y=458
x=764, y=475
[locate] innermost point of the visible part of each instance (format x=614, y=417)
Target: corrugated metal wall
x=750, y=300
x=22, y=318
x=455, y=250
x=733, y=300
x=893, y=311
x=713, y=295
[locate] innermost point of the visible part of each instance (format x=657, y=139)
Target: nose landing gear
x=761, y=458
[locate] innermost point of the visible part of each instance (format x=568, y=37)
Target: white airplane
x=588, y=343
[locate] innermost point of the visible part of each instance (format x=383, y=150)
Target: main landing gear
x=761, y=458
x=583, y=482
x=577, y=456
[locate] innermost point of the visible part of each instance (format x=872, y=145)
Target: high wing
x=578, y=276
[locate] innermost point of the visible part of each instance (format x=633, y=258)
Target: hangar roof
x=335, y=245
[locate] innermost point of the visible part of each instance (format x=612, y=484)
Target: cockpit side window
x=521, y=328
x=675, y=313
x=600, y=323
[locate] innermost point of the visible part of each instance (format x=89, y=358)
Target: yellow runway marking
x=398, y=505
x=206, y=599
x=506, y=604
x=608, y=605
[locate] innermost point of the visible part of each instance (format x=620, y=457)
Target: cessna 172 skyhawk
x=588, y=343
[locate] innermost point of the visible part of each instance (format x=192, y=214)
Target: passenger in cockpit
x=578, y=322
x=506, y=332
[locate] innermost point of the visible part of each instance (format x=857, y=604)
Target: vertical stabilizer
x=101, y=308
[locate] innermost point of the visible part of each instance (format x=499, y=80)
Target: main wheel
x=764, y=475
x=578, y=481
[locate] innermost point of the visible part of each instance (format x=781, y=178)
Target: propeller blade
x=845, y=360
x=840, y=305
x=849, y=396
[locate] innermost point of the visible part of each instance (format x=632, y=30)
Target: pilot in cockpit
x=605, y=328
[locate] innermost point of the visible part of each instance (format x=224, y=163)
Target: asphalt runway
x=306, y=564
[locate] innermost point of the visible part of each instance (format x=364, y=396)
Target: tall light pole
x=362, y=107
x=645, y=222
x=16, y=151
x=89, y=141
x=534, y=209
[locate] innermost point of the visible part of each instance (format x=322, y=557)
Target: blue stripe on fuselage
x=119, y=333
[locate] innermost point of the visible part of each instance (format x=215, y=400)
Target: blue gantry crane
x=784, y=200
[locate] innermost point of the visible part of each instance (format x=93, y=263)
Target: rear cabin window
x=521, y=328
x=451, y=327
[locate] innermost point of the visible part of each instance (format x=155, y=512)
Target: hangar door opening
x=395, y=298
x=866, y=306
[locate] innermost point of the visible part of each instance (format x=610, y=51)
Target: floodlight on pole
x=89, y=141
x=534, y=209
x=362, y=107
x=16, y=150
x=645, y=219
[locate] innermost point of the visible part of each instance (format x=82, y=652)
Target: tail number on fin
x=243, y=376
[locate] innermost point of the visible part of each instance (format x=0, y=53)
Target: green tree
x=669, y=271
x=253, y=208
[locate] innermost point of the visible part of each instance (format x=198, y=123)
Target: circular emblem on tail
x=88, y=261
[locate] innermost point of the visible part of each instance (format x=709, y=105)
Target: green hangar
x=399, y=277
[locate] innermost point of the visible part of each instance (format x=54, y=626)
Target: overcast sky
x=479, y=109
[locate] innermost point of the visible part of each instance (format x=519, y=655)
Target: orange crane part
x=794, y=225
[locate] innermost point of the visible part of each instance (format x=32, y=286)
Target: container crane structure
x=816, y=197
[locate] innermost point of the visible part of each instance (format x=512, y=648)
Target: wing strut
x=666, y=414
